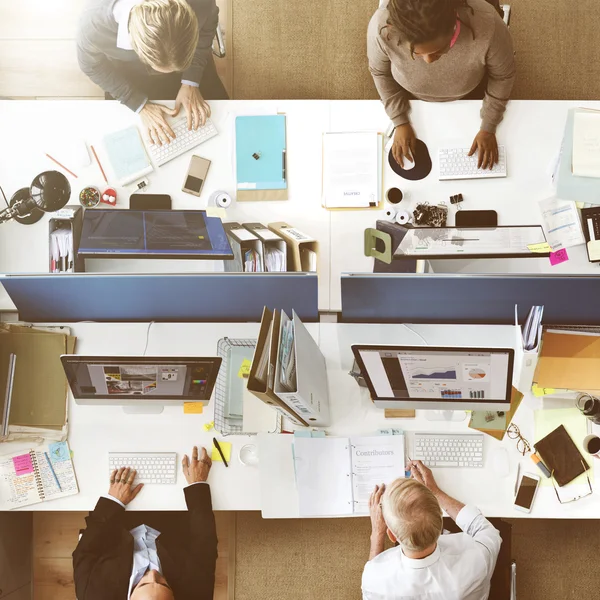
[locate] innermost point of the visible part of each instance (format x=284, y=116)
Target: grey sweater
x=104, y=63
x=484, y=49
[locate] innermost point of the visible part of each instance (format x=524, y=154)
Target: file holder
x=297, y=243
x=310, y=399
x=71, y=218
x=241, y=240
x=268, y=341
x=269, y=239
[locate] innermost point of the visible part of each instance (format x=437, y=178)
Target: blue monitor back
x=216, y=297
x=465, y=298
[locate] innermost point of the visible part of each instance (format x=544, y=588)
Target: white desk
x=31, y=126
x=94, y=431
x=532, y=133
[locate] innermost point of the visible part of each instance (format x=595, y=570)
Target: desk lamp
x=49, y=191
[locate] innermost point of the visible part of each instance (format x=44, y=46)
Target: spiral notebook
x=336, y=476
x=44, y=473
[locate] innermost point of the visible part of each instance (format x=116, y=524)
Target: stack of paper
x=586, y=143
x=560, y=220
x=352, y=170
x=275, y=260
x=532, y=329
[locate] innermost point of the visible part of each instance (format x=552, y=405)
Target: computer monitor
x=436, y=377
x=140, y=383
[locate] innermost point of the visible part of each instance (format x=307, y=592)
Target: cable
x=147, y=337
x=4, y=196
x=416, y=333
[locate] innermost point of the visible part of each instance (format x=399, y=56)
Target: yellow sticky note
x=539, y=248
x=193, y=408
x=245, y=369
x=226, y=448
x=208, y=426
x=216, y=211
x=538, y=392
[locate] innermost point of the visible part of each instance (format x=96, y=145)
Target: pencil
x=99, y=163
x=220, y=451
x=53, y=471
x=61, y=166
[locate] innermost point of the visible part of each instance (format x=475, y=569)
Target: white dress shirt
x=460, y=568
x=121, y=12
x=145, y=555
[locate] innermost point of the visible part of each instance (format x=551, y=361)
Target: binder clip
x=430, y=215
x=457, y=199
x=256, y=155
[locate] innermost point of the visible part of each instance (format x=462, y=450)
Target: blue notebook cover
x=260, y=152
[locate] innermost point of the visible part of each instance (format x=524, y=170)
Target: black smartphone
x=150, y=202
x=476, y=218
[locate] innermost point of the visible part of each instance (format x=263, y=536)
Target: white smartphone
x=527, y=490
x=196, y=175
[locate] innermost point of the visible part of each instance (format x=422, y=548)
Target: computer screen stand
x=144, y=409
x=445, y=415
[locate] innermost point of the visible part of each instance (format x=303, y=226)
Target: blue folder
x=260, y=152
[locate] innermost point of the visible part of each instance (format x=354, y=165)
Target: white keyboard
x=456, y=164
x=151, y=467
x=184, y=140
x=449, y=450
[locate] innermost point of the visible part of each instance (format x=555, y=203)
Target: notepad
x=586, y=143
x=26, y=478
x=127, y=155
x=226, y=449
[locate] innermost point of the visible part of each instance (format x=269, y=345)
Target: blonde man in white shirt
x=426, y=564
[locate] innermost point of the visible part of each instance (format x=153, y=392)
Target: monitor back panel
x=210, y=297
x=465, y=298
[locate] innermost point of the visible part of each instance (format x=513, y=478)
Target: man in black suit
x=177, y=561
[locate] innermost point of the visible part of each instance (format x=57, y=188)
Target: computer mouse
x=419, y=169
x=500, y=462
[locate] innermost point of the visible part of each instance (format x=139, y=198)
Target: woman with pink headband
x=439, y=51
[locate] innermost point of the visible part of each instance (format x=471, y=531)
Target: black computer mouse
x=422, y=165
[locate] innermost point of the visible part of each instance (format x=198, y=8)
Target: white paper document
x=586, y=143
x=336, y=476
x=352, y=170
x=560, y=220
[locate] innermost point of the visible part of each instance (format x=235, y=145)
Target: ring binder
x=38, y=478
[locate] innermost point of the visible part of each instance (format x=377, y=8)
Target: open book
x=335, y=476
x=43, y=473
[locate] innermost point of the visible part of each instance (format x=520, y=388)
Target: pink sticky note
x=560, y=256
x=23, y=464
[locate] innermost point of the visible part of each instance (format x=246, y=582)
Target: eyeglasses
x=577, y=497
x=514, y=433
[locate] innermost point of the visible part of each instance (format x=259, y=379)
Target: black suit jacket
x=103, y=559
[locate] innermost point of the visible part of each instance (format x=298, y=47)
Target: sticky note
x=193, y=408
x=560, y=256
x=208, y=426
x=216, y=211
x=539, y=392
x=540, y=248
x=58, y=452
x=245, y=369
x=226, y=448
x=23, y=464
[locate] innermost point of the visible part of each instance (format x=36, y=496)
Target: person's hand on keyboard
x=198, y=468
x=121, y=488
x=405, y=141
x=154, y=118
x=486, y=145
x=423, y=475
x=195, y=106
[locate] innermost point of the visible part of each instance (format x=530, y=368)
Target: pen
x=540, y=465
x=517, y=481
x=220, y=451
x=53, y=471
x=61, y=166
x=99, y=163
x=283, y=165
x=407, y=472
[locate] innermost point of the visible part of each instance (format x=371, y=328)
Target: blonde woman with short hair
x=143, y=50
x=424, y=563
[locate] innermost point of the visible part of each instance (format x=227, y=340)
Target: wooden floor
x=55, y=536
x=38, y=53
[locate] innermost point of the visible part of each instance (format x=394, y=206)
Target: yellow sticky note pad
x=208, y=426
x=245, y=369
x=193, y=408
x=539, y=248
x=539, y=392
x=216, y=211
x=226, y=448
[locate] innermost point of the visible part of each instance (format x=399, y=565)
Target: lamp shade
x=50, y=191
